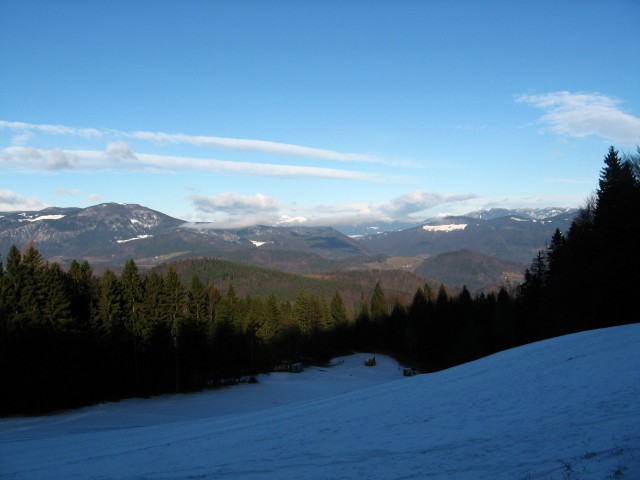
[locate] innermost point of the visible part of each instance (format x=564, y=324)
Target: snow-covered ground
x=567, y=408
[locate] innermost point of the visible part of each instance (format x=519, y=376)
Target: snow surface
x=445, y=228
x=139, y=237
x=564, y=408
x=41, y=217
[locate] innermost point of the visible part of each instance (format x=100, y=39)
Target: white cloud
x=24, y=131
x=26, y=128
x=585, y=114
x=27, y=158
x=421, y=200
x=409, y=207
x=21, y=158
x=11, y=202
x=262, y=146
x=234, y=203
x=65, y=192
x=120, y=152
x=60, y=160
x=287, y=220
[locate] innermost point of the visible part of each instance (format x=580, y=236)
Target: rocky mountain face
x=93, y=233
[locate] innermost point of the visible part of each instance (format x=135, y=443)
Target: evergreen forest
x=73, y=337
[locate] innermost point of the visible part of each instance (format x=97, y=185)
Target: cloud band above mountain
x=232, y=209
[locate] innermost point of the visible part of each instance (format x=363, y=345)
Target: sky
x=313, y=113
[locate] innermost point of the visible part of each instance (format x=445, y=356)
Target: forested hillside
x=248, y=280
x=73, y=337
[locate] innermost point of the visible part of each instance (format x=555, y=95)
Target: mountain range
x=109, y=234
x=506, y=234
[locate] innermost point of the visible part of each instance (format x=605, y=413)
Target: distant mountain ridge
x=109, y=234
x=513, y=236
x=526, y=213
x=377, y=227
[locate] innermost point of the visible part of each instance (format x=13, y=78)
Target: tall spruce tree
x=338, y=312
x=175, y=297
x=379, y=306
x=82, y=292
x=132, y=312
x=110, y=305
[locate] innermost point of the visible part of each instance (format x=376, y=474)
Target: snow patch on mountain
x=444, y=228
x=139, y=237
x=40, y=218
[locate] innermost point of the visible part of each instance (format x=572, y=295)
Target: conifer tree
x=197, y=300
x=302, y=312
x=379, y=306
x=56, y=308
x=338, y=311
x=82, y=293
x=32, y=290
x=132, y=312
x=270, y=326
x=174, y=294
x=132, y=296
x=443, y=297
x=110, y=304
x=154, y=311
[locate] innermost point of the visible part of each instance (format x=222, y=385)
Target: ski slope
x=566, y=408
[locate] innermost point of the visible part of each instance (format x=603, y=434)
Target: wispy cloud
x=25, y=128
x=119, y=157
x=11, y=202
x=585, y=114
x=235, y=203
x=421, y=200
x=65, y=192
x=262, y=146
x=24, y=132
x=232, y=210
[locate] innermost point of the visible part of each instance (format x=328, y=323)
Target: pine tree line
x=587, y=278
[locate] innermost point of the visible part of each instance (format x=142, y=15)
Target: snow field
x=564, y=408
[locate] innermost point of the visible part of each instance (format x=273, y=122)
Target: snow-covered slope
x=563, y=408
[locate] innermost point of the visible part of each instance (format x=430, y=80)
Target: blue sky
x=325, y=112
